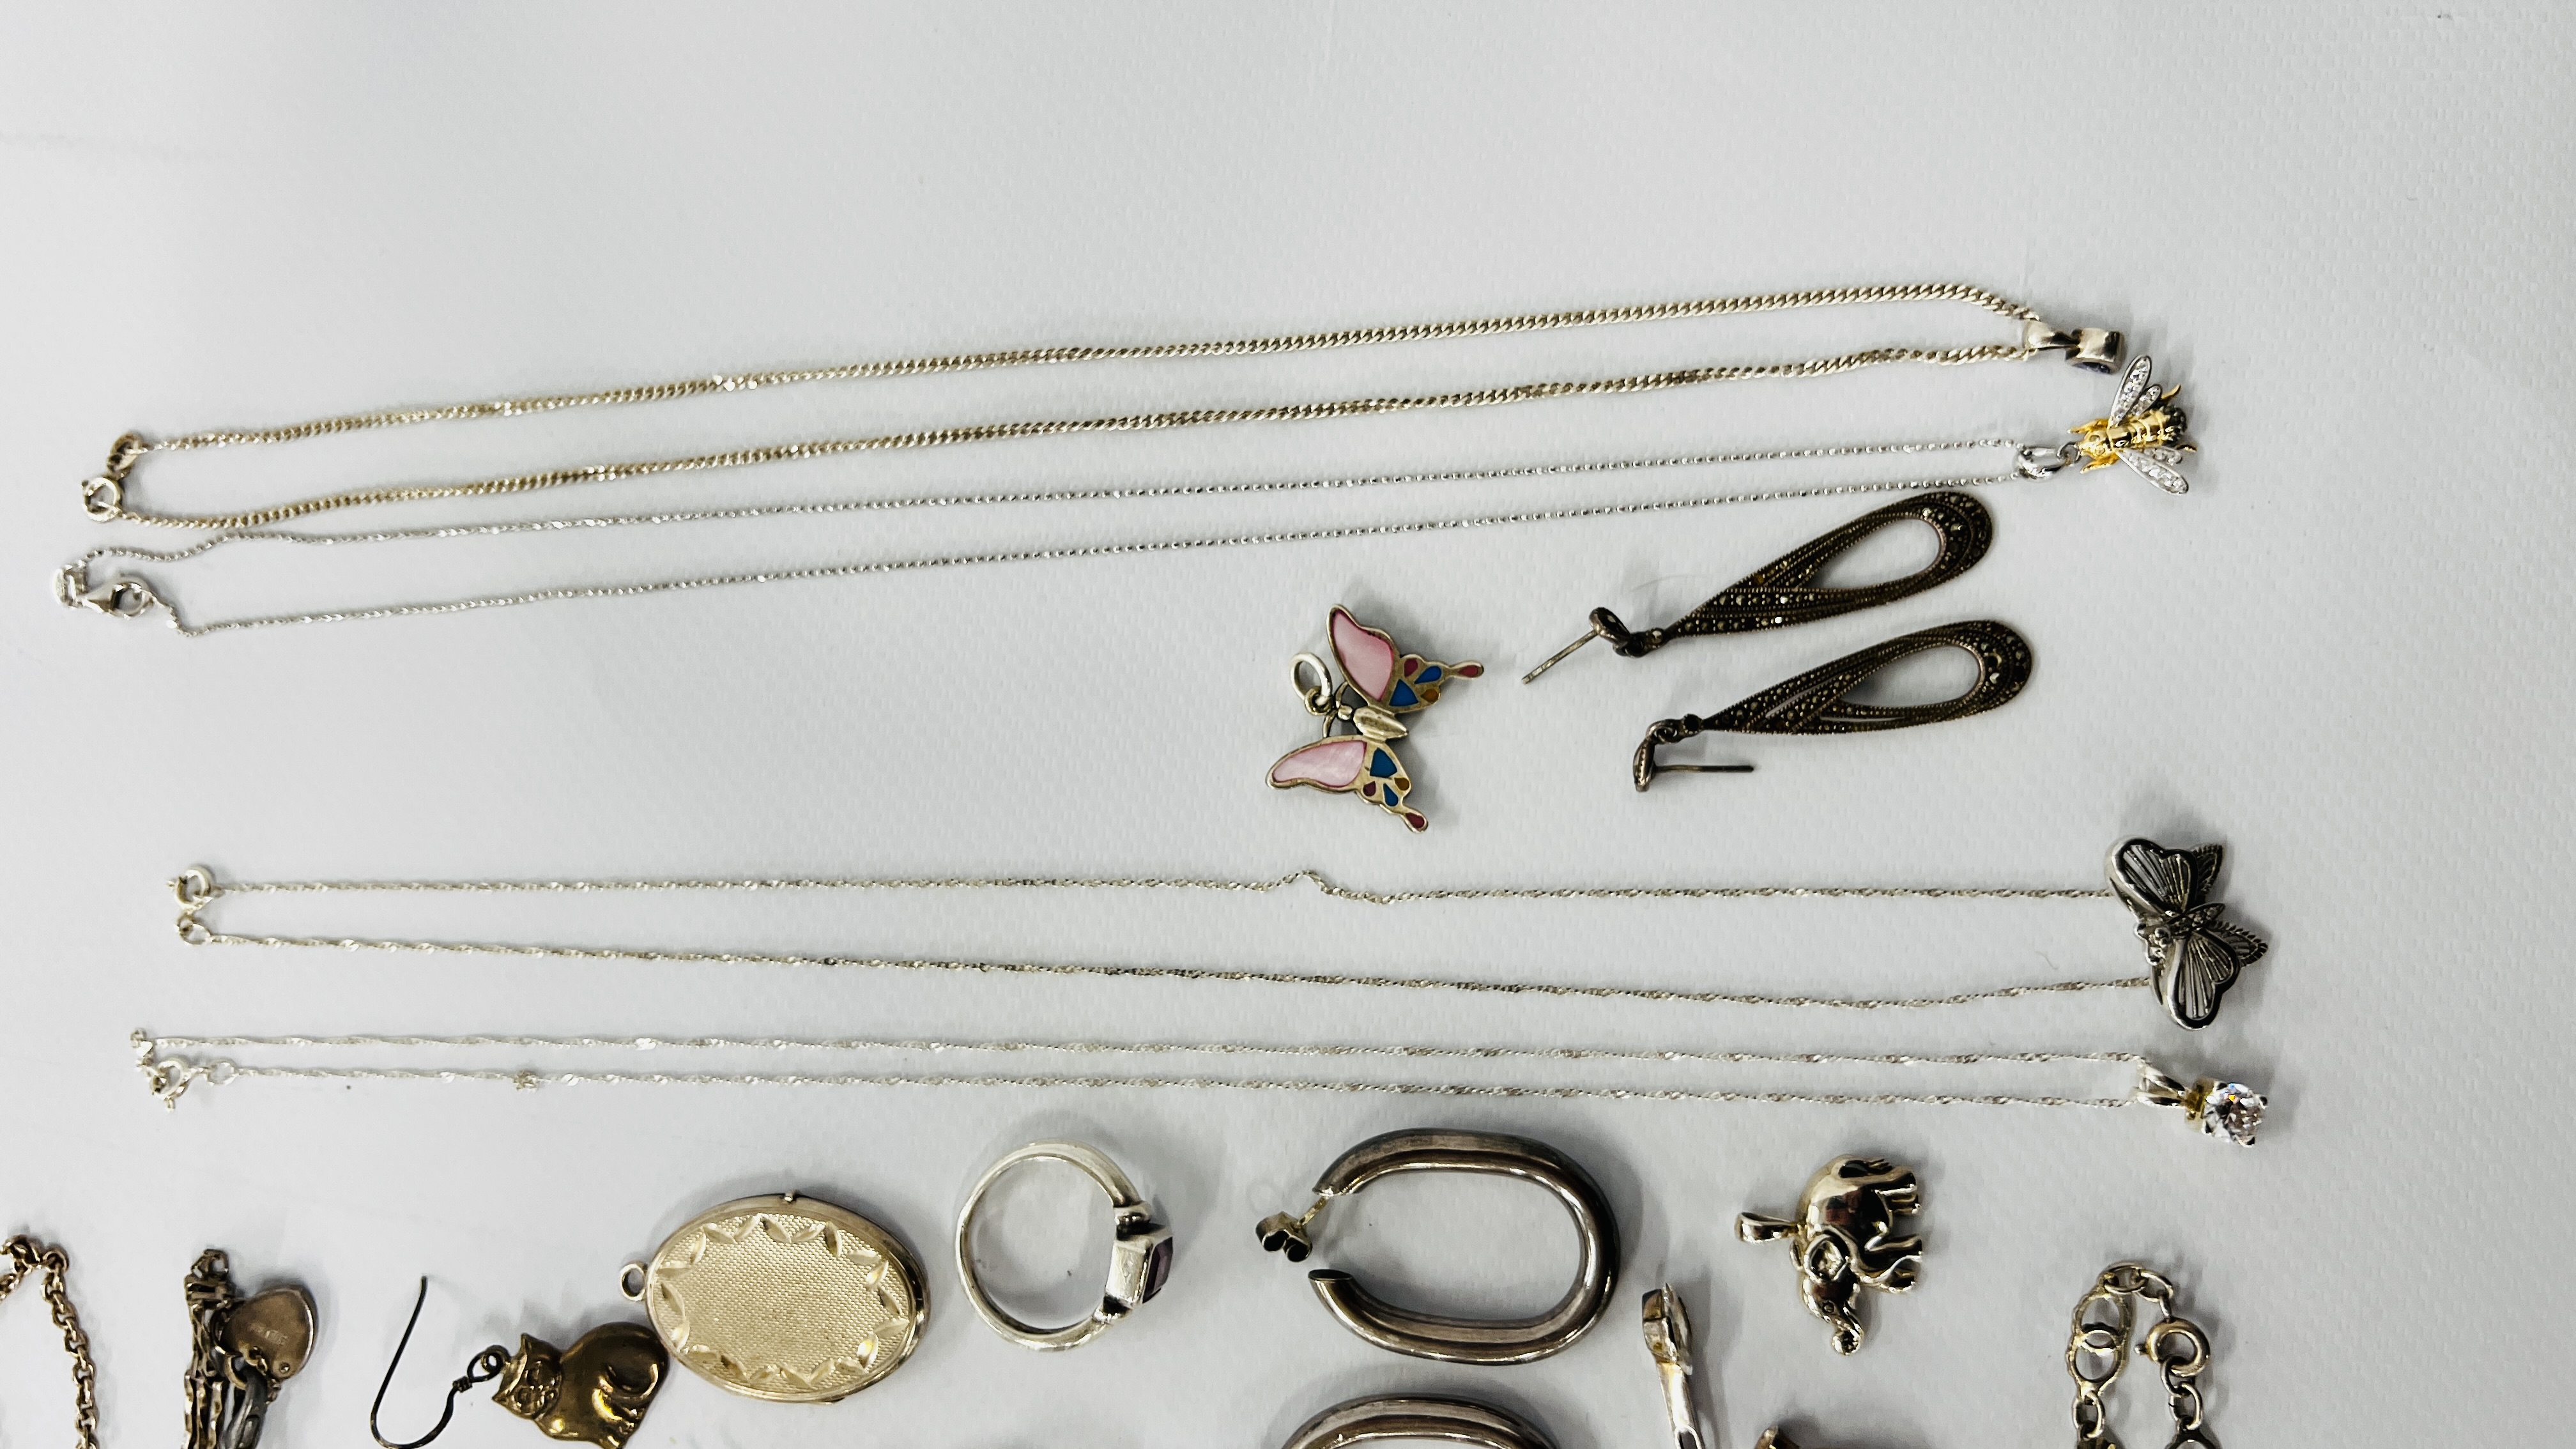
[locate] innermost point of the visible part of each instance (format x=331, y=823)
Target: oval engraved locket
x=783, y=1298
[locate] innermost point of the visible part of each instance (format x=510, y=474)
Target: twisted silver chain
x=197, y=893
x=198, y=890
x=644, y=955
x=938, y=1045
x=1323, y=884
x=170, y=1074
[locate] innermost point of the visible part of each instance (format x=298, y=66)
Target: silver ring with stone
x=1140, y=1252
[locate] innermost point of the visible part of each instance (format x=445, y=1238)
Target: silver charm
x=1459, y=1340
x=2196, y=955
x=1841, y=1237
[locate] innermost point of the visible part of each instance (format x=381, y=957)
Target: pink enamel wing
x=1361, y=724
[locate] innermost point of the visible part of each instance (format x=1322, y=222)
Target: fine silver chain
x=205, y=936
x=197, y=891
x=170, y=1073
x=129, y=596
x=1323, y=884
x=104, y=496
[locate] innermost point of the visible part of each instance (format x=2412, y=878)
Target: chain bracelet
x=2096, y=1352
x=25, y=1256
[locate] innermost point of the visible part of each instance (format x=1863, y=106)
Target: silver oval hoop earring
x=1417, y=1417
x=1454, y=1340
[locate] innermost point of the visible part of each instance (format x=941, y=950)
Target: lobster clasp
x=124, y=598
x=2094, y=349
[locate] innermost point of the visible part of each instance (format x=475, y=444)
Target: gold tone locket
x=783, y=1298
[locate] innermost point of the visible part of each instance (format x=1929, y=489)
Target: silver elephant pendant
x=1843, y=1237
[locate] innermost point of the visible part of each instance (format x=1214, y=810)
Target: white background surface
x=2343, y=227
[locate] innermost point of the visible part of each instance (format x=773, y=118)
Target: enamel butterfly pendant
x=1362, y=716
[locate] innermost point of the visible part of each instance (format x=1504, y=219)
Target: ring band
x=1140, y=1252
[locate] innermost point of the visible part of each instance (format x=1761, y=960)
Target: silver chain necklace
x=198, y=890
x=105, y=496
x=2217, y=1108
x=125, y=594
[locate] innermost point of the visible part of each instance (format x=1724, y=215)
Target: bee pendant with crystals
x=2144, y=430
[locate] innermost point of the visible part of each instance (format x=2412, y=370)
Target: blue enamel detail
x=1382, y=764
x=1430, y=675
x=1403, y=696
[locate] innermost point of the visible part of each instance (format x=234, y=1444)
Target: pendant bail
x=2094, y=349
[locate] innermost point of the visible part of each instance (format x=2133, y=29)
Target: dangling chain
x=24, y=1257
x=2097, y=1352
x=103, y=496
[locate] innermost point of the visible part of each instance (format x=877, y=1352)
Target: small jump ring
x=1318, y=695
x=1140, y=1256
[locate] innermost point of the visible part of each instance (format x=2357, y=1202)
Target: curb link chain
x=103, y=495
x=25, y=1256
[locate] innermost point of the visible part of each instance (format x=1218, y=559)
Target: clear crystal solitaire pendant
x=2223, y=1109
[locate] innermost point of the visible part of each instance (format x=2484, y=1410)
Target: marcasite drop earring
x=1784, y=591
x=1816, y=703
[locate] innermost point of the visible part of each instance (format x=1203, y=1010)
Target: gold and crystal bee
x=2144, y=430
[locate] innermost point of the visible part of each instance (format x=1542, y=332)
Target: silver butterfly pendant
x=2196, y=953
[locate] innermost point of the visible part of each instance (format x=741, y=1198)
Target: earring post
x=1559, y=656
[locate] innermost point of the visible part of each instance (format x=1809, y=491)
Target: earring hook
x=483, y=1368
